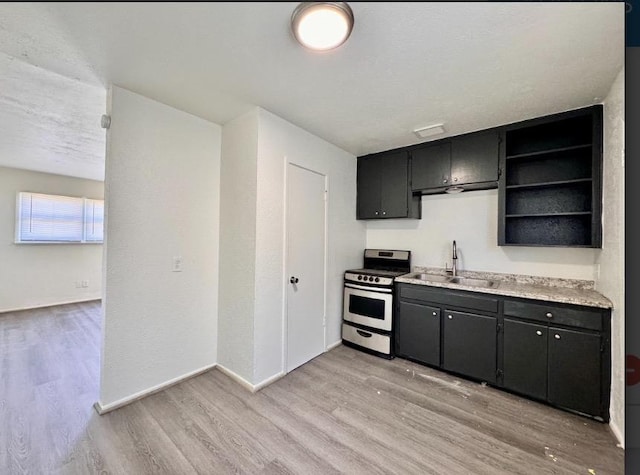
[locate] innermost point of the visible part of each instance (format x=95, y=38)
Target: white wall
x=278, y=139
x=162, y=192
x=252, y=279
x=238, y=244
x=35, y=275
x=471, y=218
x=611, y=281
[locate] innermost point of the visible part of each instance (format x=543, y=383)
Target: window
x=52, y=218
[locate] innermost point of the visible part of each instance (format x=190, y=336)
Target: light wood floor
x=344, y=412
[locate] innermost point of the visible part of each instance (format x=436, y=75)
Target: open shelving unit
x=550, y=185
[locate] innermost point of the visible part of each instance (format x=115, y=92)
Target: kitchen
x=246, y=218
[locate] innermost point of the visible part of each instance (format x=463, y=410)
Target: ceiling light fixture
x=322, y=26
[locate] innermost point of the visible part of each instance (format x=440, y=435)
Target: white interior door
x=305, y=265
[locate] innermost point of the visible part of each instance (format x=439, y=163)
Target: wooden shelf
x=549, y=184
x=548, y=152
x=546, y=215
x=550, y=193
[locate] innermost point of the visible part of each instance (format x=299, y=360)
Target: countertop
x=572, y=291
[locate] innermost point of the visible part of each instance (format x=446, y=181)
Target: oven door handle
x=370, y=289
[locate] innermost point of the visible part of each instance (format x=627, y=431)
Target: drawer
x=450, y=298
x=371, y=340
x=558, y=315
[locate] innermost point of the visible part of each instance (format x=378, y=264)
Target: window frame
x=18, y=238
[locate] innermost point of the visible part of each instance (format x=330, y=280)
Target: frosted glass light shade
x=322, y=26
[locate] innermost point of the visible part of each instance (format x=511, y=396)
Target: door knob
x=294, y=280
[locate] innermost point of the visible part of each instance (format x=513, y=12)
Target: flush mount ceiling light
x=322, y=26
x=429, y=130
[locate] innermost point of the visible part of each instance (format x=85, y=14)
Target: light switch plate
x=177, y=264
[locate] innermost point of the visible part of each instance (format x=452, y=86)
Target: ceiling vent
x=429, y=131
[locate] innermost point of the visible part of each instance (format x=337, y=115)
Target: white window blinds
x=93, y=220
x=54, y=218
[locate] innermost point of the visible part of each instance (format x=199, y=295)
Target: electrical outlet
x=78, y=284
x=85, y=284
x=177, y=264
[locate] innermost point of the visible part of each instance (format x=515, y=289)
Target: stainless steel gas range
x=368, y=301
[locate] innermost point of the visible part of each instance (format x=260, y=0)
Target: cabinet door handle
x=450, y=317
x=376, y=213
x=434, y=314
x=455, y=179
x=384, y=212
x=539, y=333
x=444, y=180
x=549, y=315
x=556, y=336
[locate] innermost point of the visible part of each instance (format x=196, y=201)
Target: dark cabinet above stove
x=383, y=187
x=468, y=161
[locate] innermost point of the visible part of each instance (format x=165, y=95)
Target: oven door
x=368, y=306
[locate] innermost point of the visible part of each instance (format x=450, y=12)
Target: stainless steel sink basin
x=430, y=277
x=472, y=282
x=447, y=279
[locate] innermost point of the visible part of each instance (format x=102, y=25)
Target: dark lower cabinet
x=469, y=345
x=525, y=358
x=575, y=370
x=554, y=352
x=418, y=333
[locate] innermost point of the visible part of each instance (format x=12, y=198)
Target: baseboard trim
x=334, y=345
x=102, y=409
x=236, y=377
x=33, y=307
x=617, y=433
x=246, y=384
x=268, y=381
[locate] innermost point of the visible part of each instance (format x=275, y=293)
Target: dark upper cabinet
x=475, y=157
x=550, y=193
x=469, y=161
x=431, y=166
x=383, y=187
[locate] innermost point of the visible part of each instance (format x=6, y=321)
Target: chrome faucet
x=454, y=260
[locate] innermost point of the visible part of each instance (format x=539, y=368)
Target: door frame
x=285, y=259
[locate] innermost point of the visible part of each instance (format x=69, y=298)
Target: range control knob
x=377, y=279
x=359, y=277
x=370, y=278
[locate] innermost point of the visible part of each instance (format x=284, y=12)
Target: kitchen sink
x=447, y=279
x=471, y=282
x=429, y=277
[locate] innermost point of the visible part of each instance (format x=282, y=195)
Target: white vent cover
x=429, y=130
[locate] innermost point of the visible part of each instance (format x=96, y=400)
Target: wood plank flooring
x=344, y=412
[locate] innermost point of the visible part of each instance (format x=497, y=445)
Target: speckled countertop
x=573, y=291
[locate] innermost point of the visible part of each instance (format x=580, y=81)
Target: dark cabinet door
x=474, y=158
x=368, y=186
x=418, y=333
x=525, y=358
x=430, y=166
x=575, y=370
x=469, y=345
x=394, y=184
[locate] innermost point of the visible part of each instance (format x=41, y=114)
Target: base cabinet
x=525, y=358
x=469, y=345
x=575, y=370
x=553, y=352
x=418, y=333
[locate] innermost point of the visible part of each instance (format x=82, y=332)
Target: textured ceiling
x=406, y=65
